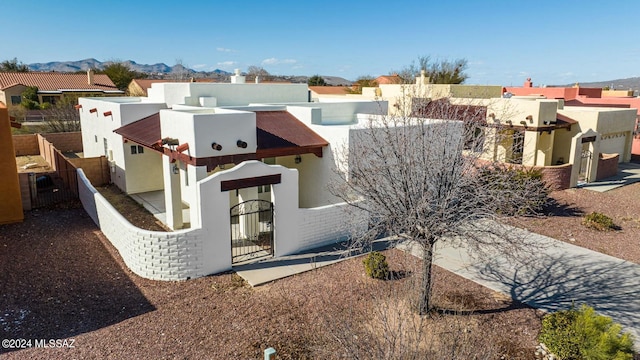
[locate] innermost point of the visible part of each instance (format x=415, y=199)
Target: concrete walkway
x=271, y=269
x=628, y=173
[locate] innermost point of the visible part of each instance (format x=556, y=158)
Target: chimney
x=90, y=77
x=237, y=78
x=528, y=83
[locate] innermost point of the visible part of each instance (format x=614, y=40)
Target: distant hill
x=632, y=83
x=164, y=71
x=86, y=64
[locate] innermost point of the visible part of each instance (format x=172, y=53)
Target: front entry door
x=251, y=230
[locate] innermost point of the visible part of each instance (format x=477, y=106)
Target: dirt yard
x=565, y=216
x=62, y=280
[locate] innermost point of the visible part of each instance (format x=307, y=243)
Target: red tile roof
x=389, y=79
x=278, y=133
x=52, y=81
x=329, y=90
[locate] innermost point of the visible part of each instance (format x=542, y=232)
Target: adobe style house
x=54, y=86
x=586, y=97
x=239, y=169
x=541, y=132
x=574, y=143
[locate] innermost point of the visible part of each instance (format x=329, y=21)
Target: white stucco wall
x=227, y=94
x=150, y=254
x=96, y=128
x=200, y=130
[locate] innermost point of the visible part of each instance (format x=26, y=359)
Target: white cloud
x=199, y=66
x=227, y=63
x=275, y=61
x=221, y=49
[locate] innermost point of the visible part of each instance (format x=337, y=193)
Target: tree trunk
x=424, y=303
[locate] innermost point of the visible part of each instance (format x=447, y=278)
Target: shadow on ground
x=58, y=280
x=556, y=281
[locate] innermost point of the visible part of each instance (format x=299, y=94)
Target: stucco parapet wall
x=153, y=255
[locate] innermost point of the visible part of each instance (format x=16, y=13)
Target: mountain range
x=86, y=64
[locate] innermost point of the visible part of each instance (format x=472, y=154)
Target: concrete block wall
x=153, y=255
x=68, y=141
x=26, y=144
x=95, y=169
x=328, y=224
x=25, y=192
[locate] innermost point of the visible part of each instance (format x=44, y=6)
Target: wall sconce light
x=216, y=146
x=183, y=147
x=170, y=141
x=547, y=122
x=492, y=115
x=107, y=113
x=509, y=123
x=530, y=118
x=241, y=144
x=298, y=159
x=175, y=169
x=77, y=107
x=523, y=123
x=93, y=110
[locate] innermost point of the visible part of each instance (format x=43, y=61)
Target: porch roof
x=279, y=133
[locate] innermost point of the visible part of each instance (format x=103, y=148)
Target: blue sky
x=553, y=42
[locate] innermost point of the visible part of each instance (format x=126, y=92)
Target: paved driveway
x=555, y=277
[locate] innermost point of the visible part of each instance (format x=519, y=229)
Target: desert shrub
x=510, y=184
x=598, y=221
x=375, y=265
x=581, y=334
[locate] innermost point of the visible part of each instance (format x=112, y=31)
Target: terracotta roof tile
x=52, y=81
x=329, y=90
x=274, y=129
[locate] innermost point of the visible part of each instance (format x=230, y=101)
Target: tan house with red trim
x=53, y=86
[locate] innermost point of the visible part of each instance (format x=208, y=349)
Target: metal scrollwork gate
x=251, y=230
x=585, y=165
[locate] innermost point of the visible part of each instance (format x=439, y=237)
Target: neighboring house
x=139, y=87
x=328, y=91
x=389, y=79
x=53, y=86
x=593, y=97
x=242, y=169
x=10, y=200
x=543, y=132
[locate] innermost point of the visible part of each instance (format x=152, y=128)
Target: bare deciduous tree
x=62, y=117
x=421, y=179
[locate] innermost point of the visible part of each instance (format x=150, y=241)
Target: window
x=137, y=149
x=95, y=137
x=50, y=99
x=264, y=189
x=106, y=147
x=16, y=99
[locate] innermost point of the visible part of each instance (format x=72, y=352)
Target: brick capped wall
x=26, y=144
x=607, y=166
x=558, y=177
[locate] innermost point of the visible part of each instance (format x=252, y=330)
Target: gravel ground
x=62, y=280
x=565, y=220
